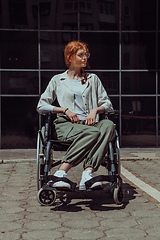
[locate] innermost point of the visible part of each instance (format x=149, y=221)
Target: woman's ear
x=69, y=58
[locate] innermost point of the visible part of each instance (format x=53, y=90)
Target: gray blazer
x=94, y=94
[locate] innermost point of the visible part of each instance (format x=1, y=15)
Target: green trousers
x=89, y=142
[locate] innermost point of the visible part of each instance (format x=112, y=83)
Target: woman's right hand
x=72, y=116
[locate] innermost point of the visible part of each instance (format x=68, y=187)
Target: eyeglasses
x=82, y=55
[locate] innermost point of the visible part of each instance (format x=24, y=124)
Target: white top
x=78, y=90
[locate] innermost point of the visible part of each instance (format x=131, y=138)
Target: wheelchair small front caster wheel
x=46, y=197
x=118, y=195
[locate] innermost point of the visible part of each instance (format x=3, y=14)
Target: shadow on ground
x=99, y=200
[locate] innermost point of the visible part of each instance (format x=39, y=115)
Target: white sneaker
x=87, y=175
x=61, y=184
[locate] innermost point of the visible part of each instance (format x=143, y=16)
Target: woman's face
x=80, y=58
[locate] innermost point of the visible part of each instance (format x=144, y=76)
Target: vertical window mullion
x=78, y=15
x=157, y=75
x=0, y=113
x=120, y=74
x=39, y=59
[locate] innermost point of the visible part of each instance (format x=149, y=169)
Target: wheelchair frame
x=47, y=144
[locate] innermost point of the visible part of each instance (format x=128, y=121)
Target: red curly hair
x=71, y=49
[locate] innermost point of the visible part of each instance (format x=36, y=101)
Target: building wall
x=123, y=38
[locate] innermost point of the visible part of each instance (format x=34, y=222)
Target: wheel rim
x=118, y=195
x=39, y=151
x=46, y=197
x=38, y=162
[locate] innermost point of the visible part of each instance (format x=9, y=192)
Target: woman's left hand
x=91, y=118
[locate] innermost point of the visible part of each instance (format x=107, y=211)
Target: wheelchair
x=47, y=145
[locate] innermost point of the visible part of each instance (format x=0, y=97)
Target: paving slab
x=78, y=215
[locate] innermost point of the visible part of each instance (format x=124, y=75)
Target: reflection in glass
x=138, y=50
x=46, y=77
x=103, y=48
x=110, y=81
x=99, y=15
x=19, y=50
x=19, y=82
x=102, y=15
x=52, y=48
x=59, y=14
x=139, y=15
x=19, y=14
x=19, y=122
x=138, y=121
x=138, y=83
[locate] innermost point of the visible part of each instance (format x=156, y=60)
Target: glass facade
x=124, y=41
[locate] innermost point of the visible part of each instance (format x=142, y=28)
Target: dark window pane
x=46, y=77
x=19, y=14
x=19, y=82
x=45, y=8
x=138, y=50
x=100, y=14
x=52, y=47
x=103, y=48
x=101, y=8
x=139, y=15
x=68, y=6
x=82, y=5
x=126, y=10
x=110, y=81
x=88, y=6
x=19, y=122
x=139, y=106
x=138, y=122
x=55, y=14
x=19, y=50
x=138, y=83
x=106, y=8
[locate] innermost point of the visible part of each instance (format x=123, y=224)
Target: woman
x=81, y=98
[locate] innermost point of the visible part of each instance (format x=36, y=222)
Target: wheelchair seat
x=48, y=144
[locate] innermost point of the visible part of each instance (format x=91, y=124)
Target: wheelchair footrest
x=100, y=178
x=57, y=179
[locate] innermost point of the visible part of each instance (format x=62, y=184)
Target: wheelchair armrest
x=112, y=114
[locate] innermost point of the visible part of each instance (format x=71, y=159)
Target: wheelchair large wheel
x=117, y=155
x=46, y=197
x=40, y=157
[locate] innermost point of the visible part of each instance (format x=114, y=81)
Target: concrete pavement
x=86, y=215
x=126, y=153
